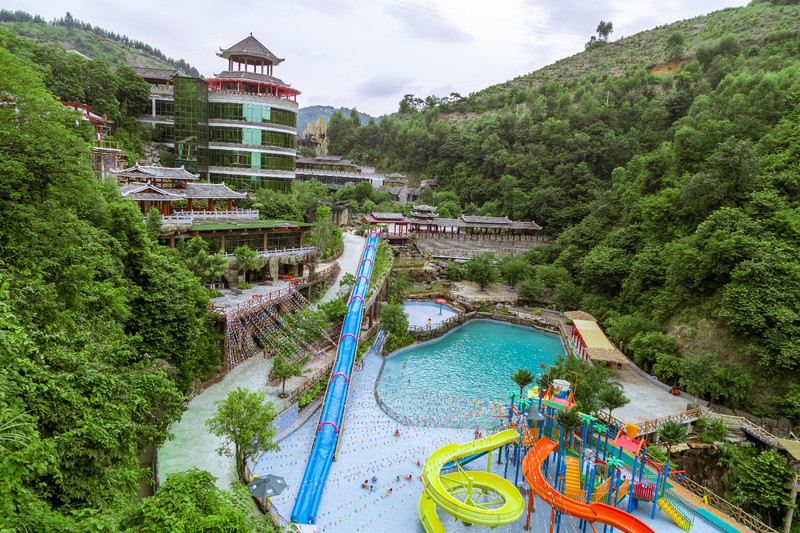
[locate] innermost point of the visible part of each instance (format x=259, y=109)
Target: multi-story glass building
x=239, y=127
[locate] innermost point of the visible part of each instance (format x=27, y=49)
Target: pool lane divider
x=326, y=439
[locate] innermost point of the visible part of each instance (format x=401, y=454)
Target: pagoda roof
x=146, y=172
x=250, y=76
x=424, y=207
x=251, y=47
x=396, y=175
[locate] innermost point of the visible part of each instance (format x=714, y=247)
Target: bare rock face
x=468, y=307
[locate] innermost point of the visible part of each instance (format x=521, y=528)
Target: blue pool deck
x=422, y=314
x=368, y=448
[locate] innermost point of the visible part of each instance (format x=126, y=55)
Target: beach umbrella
x=267, y=486
x=441, y=302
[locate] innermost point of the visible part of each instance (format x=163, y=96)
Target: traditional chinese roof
x=319, y=160
x=385, y=218
x=250, y=76
x=200, y=191
x=423, y=207
x=517, y=224
x=144, y=173
x=140, y=192
x=486, y=220
x=250, y=47
x=218, y=191
x=156, y=74
x=396, y=175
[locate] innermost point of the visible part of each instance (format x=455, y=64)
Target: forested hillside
x=670, y=191
x=91, y=41
x=102, y=329
x=310, y=114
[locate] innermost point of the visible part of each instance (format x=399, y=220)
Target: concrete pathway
x=648, y=400
x=349, y=261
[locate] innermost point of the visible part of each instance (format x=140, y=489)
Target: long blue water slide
x=330, y=421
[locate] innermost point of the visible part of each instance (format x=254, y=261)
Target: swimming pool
x=463, y=378
x=420, y=312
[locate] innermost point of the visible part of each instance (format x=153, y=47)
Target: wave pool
x=463, y=378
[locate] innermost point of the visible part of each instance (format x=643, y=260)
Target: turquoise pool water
x=463, y=378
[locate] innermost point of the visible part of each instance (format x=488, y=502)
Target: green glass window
x=252, y=183
x=252, y=113
x=245, y=159
x=165, y=107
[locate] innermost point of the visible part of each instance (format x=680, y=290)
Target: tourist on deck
x=478, y=434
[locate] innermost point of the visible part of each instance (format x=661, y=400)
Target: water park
x=436, y=437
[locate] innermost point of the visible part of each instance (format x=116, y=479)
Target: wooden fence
x=724, y=506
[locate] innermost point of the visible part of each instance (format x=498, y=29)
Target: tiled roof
x=250, y=76
x=211, y=191
x=200, y=191
x=164, y=74
x=320, y=161
x=146, y=191
x=250, y=46
x=516, y=224
x=155, y=172
x=388, y=216
x=396, y=175
x=485, y=220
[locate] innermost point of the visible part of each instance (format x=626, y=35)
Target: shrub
x=395, y=342
x=539, y=312
x=244, y=286
x=311, y=394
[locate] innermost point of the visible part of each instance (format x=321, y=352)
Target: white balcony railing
x=283, y=251
x=190, y=217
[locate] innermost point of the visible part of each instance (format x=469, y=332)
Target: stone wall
x=452, y=323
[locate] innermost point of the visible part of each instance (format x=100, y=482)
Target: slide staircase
x=680, y=513
x=572, y=486
x=326, y=440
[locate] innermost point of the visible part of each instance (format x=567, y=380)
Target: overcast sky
x=369, y=53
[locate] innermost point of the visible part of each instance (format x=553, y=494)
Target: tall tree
x=284, y=369
x=244, y=420
x=481, y=269
x=604, y=29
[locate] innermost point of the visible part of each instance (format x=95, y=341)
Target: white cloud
x=369, y=53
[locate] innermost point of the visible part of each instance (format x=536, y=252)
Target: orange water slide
x=595, y=512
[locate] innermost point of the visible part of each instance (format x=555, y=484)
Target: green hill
x=663, y=166
x=92, y=41
x=760, y=29
x=309, y=115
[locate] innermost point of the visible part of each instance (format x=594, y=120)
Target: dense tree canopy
x=101, y=328
x=669, y=193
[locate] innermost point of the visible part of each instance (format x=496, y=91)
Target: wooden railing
x=724, y=506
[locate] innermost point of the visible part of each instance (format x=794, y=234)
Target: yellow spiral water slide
x=479, y=498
